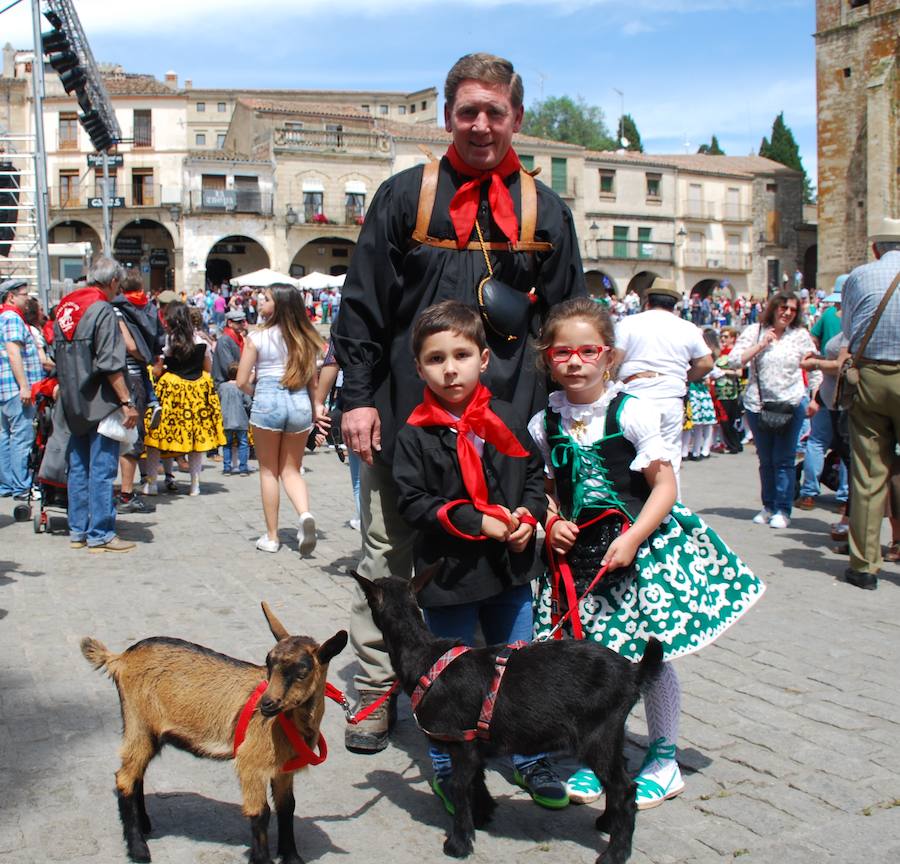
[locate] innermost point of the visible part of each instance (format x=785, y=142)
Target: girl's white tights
x=662, y=705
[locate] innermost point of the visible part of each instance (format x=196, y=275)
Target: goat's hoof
x=458, y=848
x=139, y=852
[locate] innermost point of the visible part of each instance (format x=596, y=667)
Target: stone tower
x=858, y=85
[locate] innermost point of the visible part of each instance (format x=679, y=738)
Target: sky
x=687, y=69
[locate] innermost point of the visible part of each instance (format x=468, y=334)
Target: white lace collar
x=575, y=412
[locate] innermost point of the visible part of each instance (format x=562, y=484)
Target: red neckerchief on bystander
x=464, y=206
x=235, y=337
x=479, y=419
x=136, y=298
x=73, y=306
x=11, y=307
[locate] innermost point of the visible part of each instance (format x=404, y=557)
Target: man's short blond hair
x=488, y=69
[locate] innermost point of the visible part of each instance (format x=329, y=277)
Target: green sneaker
x=584, y=787
x=660, y=778
x=539, y=780
x=437, y=784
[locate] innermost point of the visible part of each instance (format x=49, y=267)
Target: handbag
x=504, y=309
x=774, y=417
x=848, y=376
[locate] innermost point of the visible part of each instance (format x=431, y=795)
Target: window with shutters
x=559, y=178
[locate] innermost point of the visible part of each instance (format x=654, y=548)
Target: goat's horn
x=275, y=625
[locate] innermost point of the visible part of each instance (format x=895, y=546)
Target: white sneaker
x=150, y=488
x=779, y=520
x=264, y=544
x=763, y=517
x=354, y=524
x=306, y=533
x=195, y=488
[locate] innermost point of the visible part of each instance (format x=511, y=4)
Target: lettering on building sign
x=112, y=202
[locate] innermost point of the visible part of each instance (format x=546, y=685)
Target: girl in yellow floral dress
x=191, y=421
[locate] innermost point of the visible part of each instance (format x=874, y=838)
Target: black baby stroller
x=47, y=460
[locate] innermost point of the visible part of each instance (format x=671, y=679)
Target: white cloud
x=635, y=27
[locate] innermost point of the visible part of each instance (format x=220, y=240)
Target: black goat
x=571, y=696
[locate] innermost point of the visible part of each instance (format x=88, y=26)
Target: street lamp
x=291, y=216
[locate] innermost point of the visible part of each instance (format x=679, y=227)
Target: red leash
x=336, y=695
x=562, y=572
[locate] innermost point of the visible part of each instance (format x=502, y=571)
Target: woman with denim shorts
x=278, y=368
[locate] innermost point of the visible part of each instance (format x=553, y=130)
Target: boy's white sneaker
x=779, y=520
x=763, y=517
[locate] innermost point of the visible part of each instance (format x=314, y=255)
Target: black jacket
x=392, y=279
x=427, y=473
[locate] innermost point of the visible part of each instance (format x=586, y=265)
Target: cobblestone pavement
x=789, y=734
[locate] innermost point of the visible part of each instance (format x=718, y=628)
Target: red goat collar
x=305, y=756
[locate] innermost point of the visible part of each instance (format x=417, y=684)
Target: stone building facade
x=858, y=93
x=292, y=172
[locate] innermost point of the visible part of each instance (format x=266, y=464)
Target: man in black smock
x=411, y=255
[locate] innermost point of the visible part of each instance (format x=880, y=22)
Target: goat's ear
x=373, y=593
x=332, y=647
x=422, y=578
x=275, y=625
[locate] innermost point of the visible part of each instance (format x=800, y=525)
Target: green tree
x=712, y=149
x=571, y=120
x=630, y=134
x=783, y=148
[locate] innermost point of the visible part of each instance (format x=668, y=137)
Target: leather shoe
x=866, y=581
x=371, y=735
x=805, y=503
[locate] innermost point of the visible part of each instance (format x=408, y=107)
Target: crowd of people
x=482, y=395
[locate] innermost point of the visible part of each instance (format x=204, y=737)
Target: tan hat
x=888, y=231
x=664, y=286
x=168, y=296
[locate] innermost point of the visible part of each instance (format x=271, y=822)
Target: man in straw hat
x=875, y=412
x=660, y=352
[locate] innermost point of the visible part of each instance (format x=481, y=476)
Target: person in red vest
x=90, y=363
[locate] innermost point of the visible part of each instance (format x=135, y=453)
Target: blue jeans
x=354, y=461
x=504, y=618
x=16, y=438
x=821, y=438
x=243, y=450
x=93, y=463
x=777, y=455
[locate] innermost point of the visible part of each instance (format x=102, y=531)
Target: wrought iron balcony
x=632, y=250
x=231, y=201
x=333, y=141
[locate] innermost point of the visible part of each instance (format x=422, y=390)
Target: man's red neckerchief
x=235, y=337
x=11, y=307
x=73, y=306
x=479, y=419
x=464, y=206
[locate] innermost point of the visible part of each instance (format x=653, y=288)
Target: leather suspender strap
x=526, y=243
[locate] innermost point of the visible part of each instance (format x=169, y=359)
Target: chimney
x=9, y=61
x=172, y=79
x=188, y=83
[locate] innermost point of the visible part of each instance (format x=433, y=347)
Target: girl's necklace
x=579, y=428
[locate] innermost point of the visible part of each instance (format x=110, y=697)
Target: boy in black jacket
x=471, y=481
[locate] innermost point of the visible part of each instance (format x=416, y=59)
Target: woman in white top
x=773, y=350
x=281, y=359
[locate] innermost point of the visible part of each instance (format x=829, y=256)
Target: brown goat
x=180, y=693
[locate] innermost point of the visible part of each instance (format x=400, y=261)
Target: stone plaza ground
x=788, y=740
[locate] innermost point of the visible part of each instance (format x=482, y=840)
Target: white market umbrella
x=316, y=281
x=262, y=279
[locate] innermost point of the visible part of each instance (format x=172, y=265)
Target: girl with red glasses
x=668, y=575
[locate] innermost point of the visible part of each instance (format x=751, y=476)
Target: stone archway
x=640, y=282
x=72, y=231
x=331, y=255
x=147, y=247
x=233, y=256
x=705, y=288
x=810, y=268
x=600, y=284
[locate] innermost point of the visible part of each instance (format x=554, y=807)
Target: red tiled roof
x=438, y=135
x=128, y=84
x=741, y=166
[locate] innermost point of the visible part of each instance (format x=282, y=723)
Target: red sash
x=235, y=337
x=73, y=306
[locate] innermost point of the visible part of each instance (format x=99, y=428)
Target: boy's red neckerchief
x=479, y=419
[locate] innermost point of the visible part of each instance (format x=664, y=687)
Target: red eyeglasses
x=586, y=353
